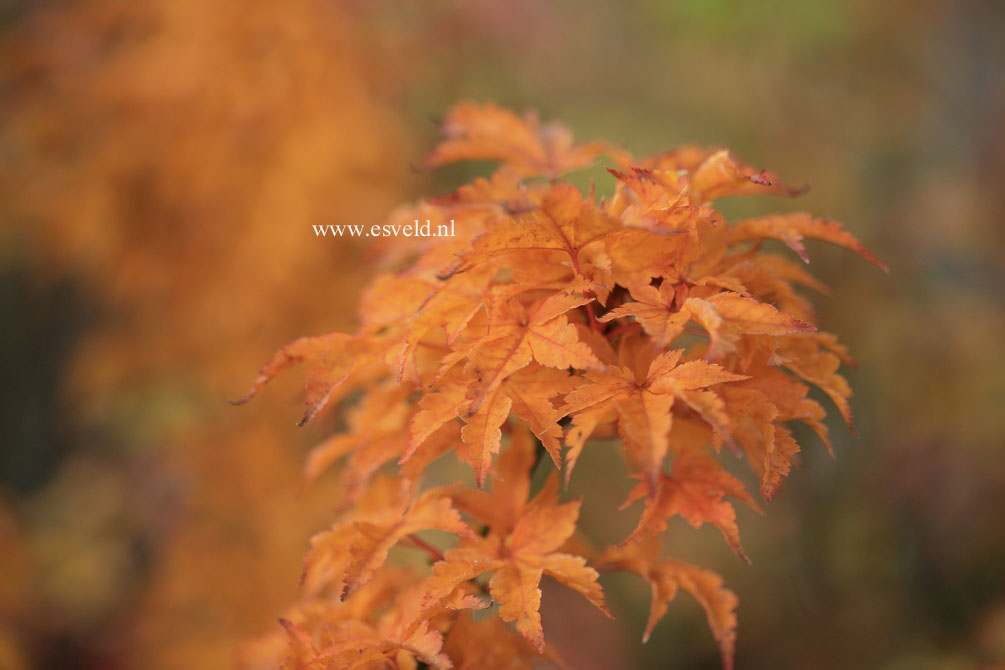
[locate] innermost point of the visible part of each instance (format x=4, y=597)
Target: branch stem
x=433, y=552
x=595, y=325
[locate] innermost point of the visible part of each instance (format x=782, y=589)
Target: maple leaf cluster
x=552, y=321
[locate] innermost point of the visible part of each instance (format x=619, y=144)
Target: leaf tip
x=803, y=326
x=256, y=386
x=767, y=493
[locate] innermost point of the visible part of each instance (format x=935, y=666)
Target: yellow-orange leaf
x=644, y=405
x=694, y=489
x=654, y=308
x=436, y=409
x=725, y=316
x=532, y=390
x=721, y=175
x=525, y=145
x=517, y=335
x=563, y=223
x=816, y=358
x=728, y=316
x=482, y=434
x=666, y=576
x=518, y=552
x=347, y=556
x=330, y=360
x=792, y=228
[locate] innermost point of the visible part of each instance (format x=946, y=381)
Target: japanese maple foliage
x=552, y=320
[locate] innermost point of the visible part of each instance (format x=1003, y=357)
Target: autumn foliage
x=150, y=148
x=555, y=321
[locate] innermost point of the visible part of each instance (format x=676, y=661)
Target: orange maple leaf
x=694, y=489
x=643, y=398
x=528, y=147
x=721, y=175
x=725, y=316
x=562, y=223
x=520, y=547
x=330, y=359
x=517, y=335
x=792, y=228
x=666, y=576
x=345, y=557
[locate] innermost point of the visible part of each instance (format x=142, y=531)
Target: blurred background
x=162, y=161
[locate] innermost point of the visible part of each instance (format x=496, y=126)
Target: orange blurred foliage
x=172, y=157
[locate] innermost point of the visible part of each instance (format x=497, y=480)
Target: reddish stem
x=433, y=552
x=621, y=330
x=595, y=325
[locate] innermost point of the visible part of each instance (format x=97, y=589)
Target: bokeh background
x=161, y=162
